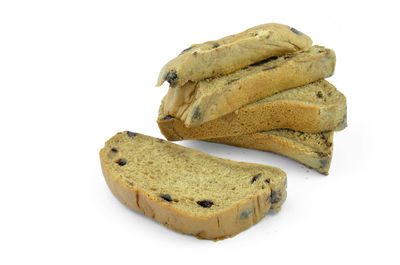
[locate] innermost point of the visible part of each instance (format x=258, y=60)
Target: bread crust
x=316, y=158
x=233, y=52
x=214, y=227
x=309, y=66
x=291, y=114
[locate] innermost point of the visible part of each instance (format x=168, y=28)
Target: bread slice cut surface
x=187, y=190
x=314, y=107
x=314, y=150
x=197, y=103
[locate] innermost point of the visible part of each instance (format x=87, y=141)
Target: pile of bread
x=264, y=89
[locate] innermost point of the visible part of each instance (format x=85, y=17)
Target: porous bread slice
x=233, y=52
x=197, y=103
x=315, y=107
x=314, y=150
x=187, y=190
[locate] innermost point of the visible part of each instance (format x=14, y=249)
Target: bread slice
x=187, y=190
x=314, y=150
x=231, y=53
x=315, y=107
x=197, y=103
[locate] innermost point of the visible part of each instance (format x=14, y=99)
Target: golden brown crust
x=224, y=224
x=296, y=115
x=318, y=157
x=197, y=103
x=233, y=52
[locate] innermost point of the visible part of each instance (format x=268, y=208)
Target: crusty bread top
x=185, y=179
x=196, y=103
x=233, y=52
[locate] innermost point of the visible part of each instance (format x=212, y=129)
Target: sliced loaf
x=187, y=190
x=197, y=103
x=315, y=107
x=233, y=52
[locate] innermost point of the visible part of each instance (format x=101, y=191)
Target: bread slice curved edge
x=219, y=226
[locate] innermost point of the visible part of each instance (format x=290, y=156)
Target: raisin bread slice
x=315, y=107
x=197, y=103
x=233, y=52
x=314, y=150
x=187, y=190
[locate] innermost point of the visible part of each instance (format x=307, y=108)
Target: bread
x=315, y=107
x=314, y=150
x=231, y=53
x=197, y=103
x=189, y=191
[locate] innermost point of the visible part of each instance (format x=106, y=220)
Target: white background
x=73, y=73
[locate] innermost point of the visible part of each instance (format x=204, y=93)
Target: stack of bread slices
x=263, y=88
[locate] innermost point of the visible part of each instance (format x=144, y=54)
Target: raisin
x=205, y=203
x=255, y=178
x=322, y=155
x=196, y=113
x=267, y=181
x=168, y=117
x=121, y=162
x=275, y=197
x=320, y=95
x=264, y=61
x=171, y=77
x=246, y=214
x=187, y=49
x=194, y=53
x=166, y=197
x=324, y=161
x=295, y=31
x=215, y=45
x=131, y=134
x=231, y=81
x=344, y=120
